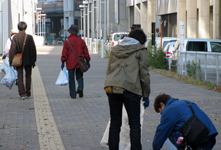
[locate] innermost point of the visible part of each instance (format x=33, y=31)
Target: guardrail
x=208, y=62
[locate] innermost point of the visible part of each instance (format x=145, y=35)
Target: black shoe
x=16, y=82
x=80, y=92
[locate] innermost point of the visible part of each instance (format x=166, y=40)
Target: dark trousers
x=24, y=90
x=79, y=78
x=132, y=105
x=208, y=145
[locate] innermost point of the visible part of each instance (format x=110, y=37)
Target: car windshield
x=119, y=36
x=216, y=47
x=166, y=42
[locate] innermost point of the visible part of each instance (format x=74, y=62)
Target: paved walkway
x=51, y=120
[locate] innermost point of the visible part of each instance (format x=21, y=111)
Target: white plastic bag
x=5, y=65
x=125, y=130
x=62, y=78
x=9, y=78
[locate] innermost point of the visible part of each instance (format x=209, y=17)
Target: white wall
x=13, y=11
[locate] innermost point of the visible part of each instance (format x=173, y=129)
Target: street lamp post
x=85, y=3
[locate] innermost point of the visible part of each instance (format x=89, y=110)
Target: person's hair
x=22, y=26
x=139, y=35
x=162, y=97
x=133, y=27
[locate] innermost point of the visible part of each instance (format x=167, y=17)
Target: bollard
x=102, y=48
x=90, y=44
x=86, y=41
x=169, y=63
x=95, y=40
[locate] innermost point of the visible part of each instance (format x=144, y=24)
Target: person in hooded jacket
x=174, y=113
x=127, y=81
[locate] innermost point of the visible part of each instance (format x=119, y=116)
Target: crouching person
x=174, y=113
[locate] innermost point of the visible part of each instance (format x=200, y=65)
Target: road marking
x=48, y=134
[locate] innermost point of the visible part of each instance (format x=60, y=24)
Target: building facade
x=202, y=18
x=102, y=17
x=60, y=15
x=11, y=13
x=72, y=14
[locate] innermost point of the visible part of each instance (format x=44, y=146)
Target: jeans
x=131, y=102
x=24, y=90
x=208, y=145
x=79, y=78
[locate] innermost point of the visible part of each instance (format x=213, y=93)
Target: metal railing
x=209, y=64
x=95, y=45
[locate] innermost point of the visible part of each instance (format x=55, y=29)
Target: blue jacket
x=173, y=116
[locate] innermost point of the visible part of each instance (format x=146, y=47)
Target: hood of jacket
x=126, y=47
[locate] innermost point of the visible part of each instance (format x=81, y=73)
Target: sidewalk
x=78, y=124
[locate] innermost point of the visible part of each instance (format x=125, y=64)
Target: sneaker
x=27, y=96
x=22, y=98
x=80, y=92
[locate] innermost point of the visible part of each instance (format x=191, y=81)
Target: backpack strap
x=190, y=106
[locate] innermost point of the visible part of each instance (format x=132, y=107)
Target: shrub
x=194, y=69
x=157, y=58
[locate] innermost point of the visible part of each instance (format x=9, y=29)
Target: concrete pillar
x=203, y=26
x=108, y=18
x=181, y=15
x=1, y=30
x=137, y=13
x=144, y=16
x=131, y=15
x=123, y=16
x=216, y=19
x=151, y=16
x=5, y=23
x=88, y=20
x=191, y=18
x=84, y=15
x=99, y=18
x=71, y=12
x=92, y=20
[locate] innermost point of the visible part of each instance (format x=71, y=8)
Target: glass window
x=166, y=42
x=197, y=46
x=119, y=36
x=215, y=47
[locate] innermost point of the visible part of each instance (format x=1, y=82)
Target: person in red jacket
x=71, y=60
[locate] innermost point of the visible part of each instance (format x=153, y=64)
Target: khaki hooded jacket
x=128, y=68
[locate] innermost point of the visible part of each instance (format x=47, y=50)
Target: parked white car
x=202, y=45
x=165, y=41
x=116, y=37
x=193, y=45
x=169, y=49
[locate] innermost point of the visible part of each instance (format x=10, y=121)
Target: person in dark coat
x=71, y=60
x=174, y=113
x=29, y=58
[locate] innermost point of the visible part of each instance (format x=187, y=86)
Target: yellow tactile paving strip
x=48, y=134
